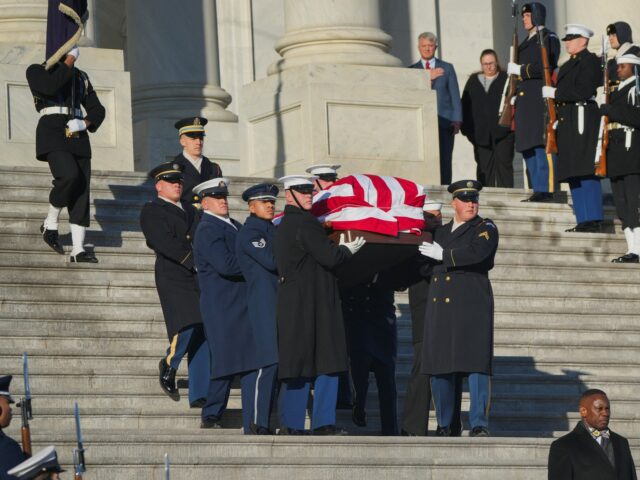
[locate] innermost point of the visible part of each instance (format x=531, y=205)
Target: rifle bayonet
x=78, y=452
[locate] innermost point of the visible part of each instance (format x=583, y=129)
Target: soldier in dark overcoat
x=623, y=152
x=529, y=106
x=620, y=39
x=458, y=335
x=196, y=168
x=311, y=336
x=254, y=248
x=168, y=225
x=10, y=452
x=577, y=130
x=223, y=301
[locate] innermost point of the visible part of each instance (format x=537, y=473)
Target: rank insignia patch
x=260, y=243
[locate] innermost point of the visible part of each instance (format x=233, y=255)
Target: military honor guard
x=458, y=334
x=529, y=107
x=60, y=92
x=311, y=336
x=168, y=225
x=196, y=168
x=326, y=175
x=592, y=451
x=232, y=339
x=10, y=452
x=620, y=39
x=577, y=131
x=43, y=465
x=254, y=249
x=623, y=152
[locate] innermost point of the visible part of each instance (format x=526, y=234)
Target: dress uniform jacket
x=223, y=302
x=578, y=456
x=10, y=455
x=169, y=232
x=53, y=88
x=529, y=107
x=458, y=334
x=578, y=80
x=620, y=159
x=311, y=335
x=191, y=177
x=254, y=247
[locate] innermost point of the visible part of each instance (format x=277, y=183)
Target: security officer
x=232, y=340
x=43, y=465
x=63, y=142
x=620, y=39
x=254, y=248
x=10, y=452
x=168, y=225
x=529, y=106
x=578, y=122
x=326, y=175
x=311, y=336
x=623, y=153
x=196, y=168
x=458, y=335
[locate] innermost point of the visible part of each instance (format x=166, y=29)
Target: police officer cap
x=300, y=183
x=465, y=189
x=215, y=186
x=168, y=171
x=631, y=58
x=46, y=460
x=325, y=171
x=538, y=13
x=622, y=30
x=191, y=127
x=262, y=191
x=4, y=387
x=575, y=30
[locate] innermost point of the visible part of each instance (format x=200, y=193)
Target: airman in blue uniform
x=10, y=452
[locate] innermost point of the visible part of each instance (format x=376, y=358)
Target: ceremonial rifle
x=78, y=452
x=603, y=134
x=550, y=111
x=25, y=408
x=637, y=74
x=505, y=112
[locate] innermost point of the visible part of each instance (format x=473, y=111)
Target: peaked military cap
x=575, y=30
x=215, y=186
x=168, y=171
x=300, y=183
x=631, y=58
x=5, y=382
x=261, y=191
x=191, y=127
x=325, y=171
x=46, y=460
x=466, y=190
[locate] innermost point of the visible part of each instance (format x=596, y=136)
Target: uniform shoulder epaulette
x=487, y=222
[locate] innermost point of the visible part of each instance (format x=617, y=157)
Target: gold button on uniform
x=448, y=279
x=435, y=279
x=434, y=299
x=522, y=94
x=446, y=300
x=188, y=237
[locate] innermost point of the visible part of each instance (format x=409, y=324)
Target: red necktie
x=427, y=65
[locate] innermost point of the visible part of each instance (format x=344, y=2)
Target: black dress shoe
x=290, y=431
x=479, y=431
x=404, y=433
x=359, y=417
x=168, y=380
x=83, y=257
x=627, y=258
x=330, y=430
x=50, y=237
x=211, y=422
x=443, y=431
x=182, y=383
x=586, y=227
x=199, y=403
x=541, y=197
x=258, y=430
x=344, y=405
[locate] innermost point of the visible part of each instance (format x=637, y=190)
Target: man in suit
x=444, y=81
x=196, y=168
x=592, y=451
x=10, y=452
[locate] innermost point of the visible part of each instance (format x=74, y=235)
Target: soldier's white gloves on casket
x=548, y=92
x=76, y=125
x=74, y=52
x=431, y=250
x=514, y=69
x=354, y=245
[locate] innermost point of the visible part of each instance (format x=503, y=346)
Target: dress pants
x=192, y=342
x=295, y=395
x=541, y=168
x=446, y=139
x=417, y=401
x=586, y=193
x=626, y=196
x=447, y=394
x=71, y=184
x=495, y=162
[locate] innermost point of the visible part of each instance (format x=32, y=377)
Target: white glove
x=548, y=92
x=354, y=245
x=514, y=69
x=431, y=250
x=513, y=100
x=76, y=125
x=74, y=52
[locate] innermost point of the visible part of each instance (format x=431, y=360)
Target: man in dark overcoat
x=623, y=152
x=620, y=39
x=529, y=116
x=223, y=301
x=10, y=452
x=311, y=335
x=168, y=225
x=254, y=248
x=578, y=122
x=458, y=335
x=592, y=451
x=196, y=168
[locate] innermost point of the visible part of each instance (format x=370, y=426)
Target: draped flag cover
x=64, y=27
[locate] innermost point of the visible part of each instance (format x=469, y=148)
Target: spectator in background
x=445, y=83
x=492, y=143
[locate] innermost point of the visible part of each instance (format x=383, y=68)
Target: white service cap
x=575, y=30
x=290, y=181
x=323, y=169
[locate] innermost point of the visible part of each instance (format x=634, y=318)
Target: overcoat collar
x=451, y=236
x=171, y=208
x=216, y=221
x=590, y=445
x=572, y=63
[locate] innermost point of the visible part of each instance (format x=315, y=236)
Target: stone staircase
x=566, y=320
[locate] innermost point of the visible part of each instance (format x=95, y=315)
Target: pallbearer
x=43, y=465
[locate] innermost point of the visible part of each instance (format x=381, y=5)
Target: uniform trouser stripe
x=486, y=411
x=172, y=349
x=255, y=397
